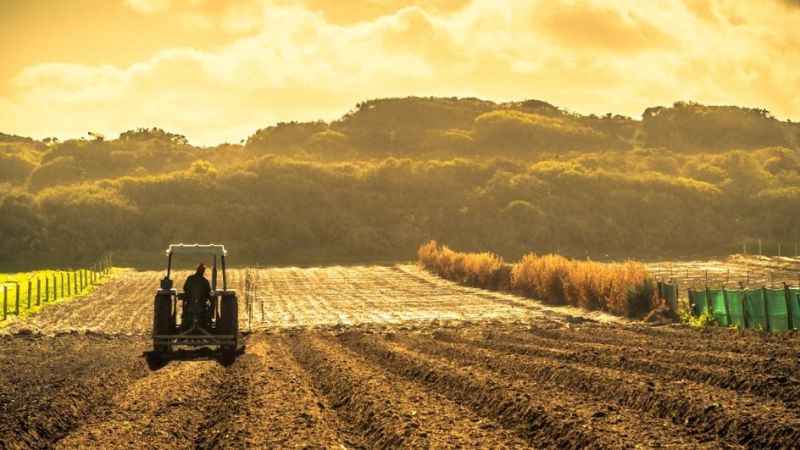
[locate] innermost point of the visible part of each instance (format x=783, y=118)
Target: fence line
x=72, y=282
x=762, y=308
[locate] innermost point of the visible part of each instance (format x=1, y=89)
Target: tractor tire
x=163, y=321
x=229, y=315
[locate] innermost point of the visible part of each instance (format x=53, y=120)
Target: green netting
x=716, y=297
x=699, y=301
x=764, y=309
x=754, y=309
x=669, y=292
x=736, y=307
x=778, y=313
x=794, y=303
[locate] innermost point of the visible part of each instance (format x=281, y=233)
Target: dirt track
x=391, y=357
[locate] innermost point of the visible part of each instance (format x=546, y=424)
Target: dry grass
x=619, y=288
x=475, y=269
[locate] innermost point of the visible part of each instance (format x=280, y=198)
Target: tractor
x=204, y=322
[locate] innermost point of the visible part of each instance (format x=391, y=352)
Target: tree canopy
x=686, y=180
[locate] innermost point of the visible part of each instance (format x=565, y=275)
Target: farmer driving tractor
x=209, y=316
x=198, y=292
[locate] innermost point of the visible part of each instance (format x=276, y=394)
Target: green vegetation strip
x=27, y=293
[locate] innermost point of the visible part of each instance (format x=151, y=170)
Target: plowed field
x=385, y=357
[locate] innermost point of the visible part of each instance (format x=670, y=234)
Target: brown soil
x=390, y=357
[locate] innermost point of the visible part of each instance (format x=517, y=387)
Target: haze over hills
x=392, y=173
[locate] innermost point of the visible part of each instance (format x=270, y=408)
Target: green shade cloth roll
x=778, y=313
x=699, y=300
x=754, y=309
x=716, y=297
x=736, y=307
x=794, y=303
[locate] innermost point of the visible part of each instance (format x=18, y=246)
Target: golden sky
x=217, y=70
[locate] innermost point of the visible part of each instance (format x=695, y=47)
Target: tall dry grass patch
x=485, y=269
x=619, y=288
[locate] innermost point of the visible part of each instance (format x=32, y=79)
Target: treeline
x=509, y=178
x=422, y=128
x=276, y=209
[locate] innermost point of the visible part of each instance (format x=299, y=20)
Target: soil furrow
x=783, y=367
x=51, y=386
x=737, y=378
x=364, y=403
x=265, y=401
x=429, y=420
x=703, y=409
x=709, y=340
x=543, y=419
x=783, y=363
x=163, y=410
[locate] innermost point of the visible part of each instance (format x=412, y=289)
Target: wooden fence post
x=787, y=294
x=766, y=309
x=38, y=291
x=745, y=315
x=727, y=308
x=5, y=302
x=29, y=294
x=16, y=300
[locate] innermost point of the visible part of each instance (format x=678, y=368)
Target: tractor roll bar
x=198, y=249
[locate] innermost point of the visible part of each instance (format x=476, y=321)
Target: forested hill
x=684, y=180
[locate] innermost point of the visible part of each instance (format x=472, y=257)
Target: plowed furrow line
x=163, y=410
x=697, y=341
x=430, y=419
x=46, y=396
x=620, y=422
x=723, y=339
x=91, y=312
x=135, y=314
x=265, y=402
x=366, y=404
x=542, y=420
x=779, y=388
x=63, y=316
x=772, y=367
x=739, y=419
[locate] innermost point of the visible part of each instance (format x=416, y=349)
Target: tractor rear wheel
x=229, y=325
x=163, y=321
x=229, y=315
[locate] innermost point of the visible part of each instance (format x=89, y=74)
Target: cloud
x=296, y=63
x=602, y=27
x=148, y=6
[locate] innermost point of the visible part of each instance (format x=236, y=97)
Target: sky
x=217, y=70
